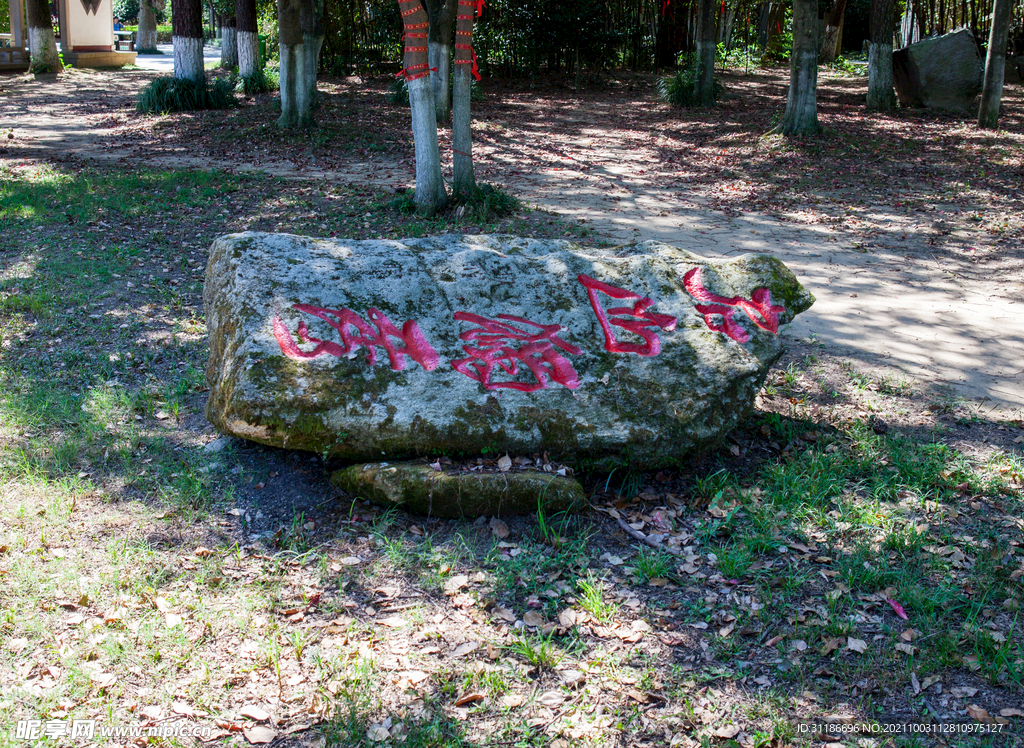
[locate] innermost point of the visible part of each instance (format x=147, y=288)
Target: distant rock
x=419, y=488
x=368, y=350
x=943, y=72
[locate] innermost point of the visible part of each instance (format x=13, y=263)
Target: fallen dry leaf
x=504, y=463
x=728, y=731
x=1011, y=713
x=857, y=645
x=254, y=713
x=979, y=714
x=898, y=609
x=533, y=618
x=465, y=648
x=551, y=699
x=259, y=734
x=469, y=698
x=831, y=645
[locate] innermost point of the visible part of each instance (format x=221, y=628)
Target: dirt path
x=896, y=304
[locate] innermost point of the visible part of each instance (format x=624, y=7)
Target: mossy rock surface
x=420, y=489
x=465, y=345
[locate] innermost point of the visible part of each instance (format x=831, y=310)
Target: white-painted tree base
x=42, y=49
x=188, y=57
x=248, y=43
x=430, y=192
x=463, y=178
x=801, y=115
x=228, y=47
x=294, y=91
x=439, y=56
x=313, y=45
x=880, y=84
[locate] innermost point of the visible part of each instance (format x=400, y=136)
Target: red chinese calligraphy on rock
x=355, y=332
x=500, y=343
x=759, y=308
x=637, y=320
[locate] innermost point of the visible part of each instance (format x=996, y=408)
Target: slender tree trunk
x=42, y=46
x=881, y=95
x=313, y=40
x=431, y=195
x=833, y=33
x=704, y=79
x=441, y=14
x=294, y=91
x=726, y=25
x=995, y=64
x=228, y=42
x=145, y=37
x=801, y=116
x=463, y=179
x=247, y=39
x=187, y=36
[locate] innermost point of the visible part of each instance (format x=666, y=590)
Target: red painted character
x=355, y=332
x=637, y=319
x=759, y=308
x=494, y=346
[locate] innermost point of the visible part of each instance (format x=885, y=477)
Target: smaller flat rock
x=420, y=489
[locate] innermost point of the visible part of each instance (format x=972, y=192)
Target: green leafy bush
x=398, y=92
x=168, y=94
x=489, y=201
x=261, y=81
x=677, y=89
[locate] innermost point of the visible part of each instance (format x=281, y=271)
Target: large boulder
x=943, y=72
x=367, y=350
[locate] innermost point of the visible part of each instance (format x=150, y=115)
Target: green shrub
x=677, y=89
x=489, y=201
x=398, y=92
x=261, y=81
x=168, y=94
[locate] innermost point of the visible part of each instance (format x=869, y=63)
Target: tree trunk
x=801, y=116
x=995, y=64
x=312, y=39
x=463, y=179
x=247, y=39
x=704, y=78
x=441, y=15
x=145, y=37
x=187, y=37
x=881, y=95
x=726, y=25
x=833, y=32
x=228, y=42
x=42, y=46
x=294, y=91
x=770, y=23
x=431, y=195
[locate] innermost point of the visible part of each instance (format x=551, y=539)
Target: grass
x=141, y=572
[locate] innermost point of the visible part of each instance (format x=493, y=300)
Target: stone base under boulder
x=421, y=489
